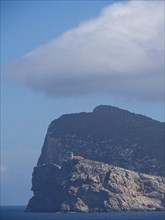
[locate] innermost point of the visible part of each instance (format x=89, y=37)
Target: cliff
x=110, y=135
x=120, y=150
x=82, y=185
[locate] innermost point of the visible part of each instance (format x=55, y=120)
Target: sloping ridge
x=108, y=134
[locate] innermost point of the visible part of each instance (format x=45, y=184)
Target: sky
x=60, y=57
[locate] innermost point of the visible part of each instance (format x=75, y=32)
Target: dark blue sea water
x=17, y=213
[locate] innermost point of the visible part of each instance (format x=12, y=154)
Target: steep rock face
x=81, y=185
x=110, y=135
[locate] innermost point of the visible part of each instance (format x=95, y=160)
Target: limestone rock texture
x=82, y=185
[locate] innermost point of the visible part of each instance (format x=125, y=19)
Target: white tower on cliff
x=71, y=155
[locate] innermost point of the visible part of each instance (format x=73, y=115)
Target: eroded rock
x=82, y=185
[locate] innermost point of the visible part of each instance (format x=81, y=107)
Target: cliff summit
x=110, y=135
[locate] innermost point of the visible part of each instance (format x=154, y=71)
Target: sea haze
x=17, y=213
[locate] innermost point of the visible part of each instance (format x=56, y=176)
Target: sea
x=17, y=213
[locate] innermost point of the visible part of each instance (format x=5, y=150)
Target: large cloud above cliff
x=120, y=52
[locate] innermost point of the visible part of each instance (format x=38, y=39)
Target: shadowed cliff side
x=110, y=135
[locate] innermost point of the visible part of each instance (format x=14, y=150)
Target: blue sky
x=77, y=37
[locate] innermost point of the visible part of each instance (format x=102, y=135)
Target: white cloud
x=120, y=52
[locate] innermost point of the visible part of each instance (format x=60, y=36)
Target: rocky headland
x=119, y=167
x=82, y=185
